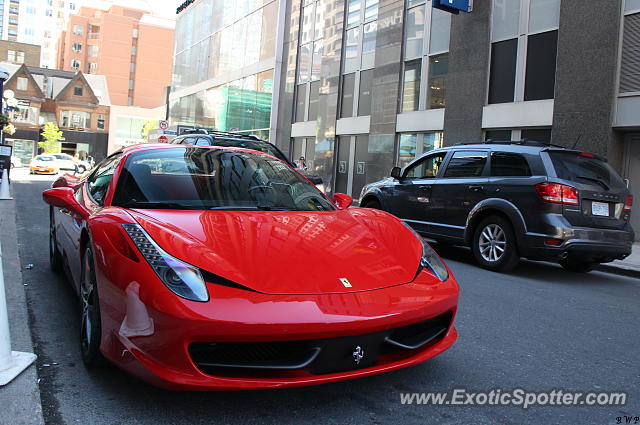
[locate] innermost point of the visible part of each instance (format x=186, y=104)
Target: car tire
x=55, y=258
x=373, y=204
x=492, y=235
x=578, y=266
x=90, y=321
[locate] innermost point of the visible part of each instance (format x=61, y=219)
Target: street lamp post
x=4, y=76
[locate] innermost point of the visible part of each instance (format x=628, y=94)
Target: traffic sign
x=163, y=139
x=163, y=124
x=453, y=6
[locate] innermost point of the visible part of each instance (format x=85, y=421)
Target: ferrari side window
x=98, y=183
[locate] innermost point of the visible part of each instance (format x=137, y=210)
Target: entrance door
x=360, y=166
x=343, y=161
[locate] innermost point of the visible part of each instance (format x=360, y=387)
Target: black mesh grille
x=316, y=356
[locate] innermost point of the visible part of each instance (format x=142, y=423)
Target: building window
x=29, y=31
x=100, y=121
x=77, y=91
x=47, y=34
x=364, y=96
x=309, y=61
x=135, y=33
x=61, y=4
x=31, y=10
x=23, y=83
x=502, y=79
x=314, y=95
x=130, y=84
x=132, y=68
x=93, y=68
x=49, y=12
x=76, y=47
x=93, y=50
x=348, y=89
x=411, y=86
x=301, y=102
x=426, y=39
x=518, y=77
x=413, y=145
x=49, y=2
x=72, y=6
x=76, y=64
x=134, y=50
x=11, y=55
x=78, y=29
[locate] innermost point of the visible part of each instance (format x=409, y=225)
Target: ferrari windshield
x=205, y=178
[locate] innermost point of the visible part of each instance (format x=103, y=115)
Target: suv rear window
x=584, y=169
x=509, y=165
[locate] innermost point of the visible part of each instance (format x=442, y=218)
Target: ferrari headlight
x=430, y=259
x=181, y=278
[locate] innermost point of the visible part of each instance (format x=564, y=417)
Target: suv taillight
x=628, y=203
x=558, y=193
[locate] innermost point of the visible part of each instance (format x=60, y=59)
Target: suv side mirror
x=395, y=173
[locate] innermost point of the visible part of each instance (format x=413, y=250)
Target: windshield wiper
x=600, y=182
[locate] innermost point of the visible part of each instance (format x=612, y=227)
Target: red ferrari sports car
x=218, y=268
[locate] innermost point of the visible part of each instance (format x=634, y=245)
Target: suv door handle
x=475, y=188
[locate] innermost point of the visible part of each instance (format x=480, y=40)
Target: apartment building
x=20, y=53
x=131, y=47
x=362, y=85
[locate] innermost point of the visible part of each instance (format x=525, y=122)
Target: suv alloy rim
x=492, y=243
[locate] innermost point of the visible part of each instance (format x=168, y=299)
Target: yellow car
x=44, y=164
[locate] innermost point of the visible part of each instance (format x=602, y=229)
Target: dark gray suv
x=508, y=200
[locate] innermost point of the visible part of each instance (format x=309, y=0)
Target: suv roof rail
x=219, y=133
x=523, y=142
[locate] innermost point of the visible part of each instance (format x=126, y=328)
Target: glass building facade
x=359, y=86
x=224, y=60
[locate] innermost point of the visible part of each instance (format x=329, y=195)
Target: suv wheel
x=578, y=266
x=373, y=203
x=494, y=244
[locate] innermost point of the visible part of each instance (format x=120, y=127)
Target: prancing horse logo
x=345, y=282
x=358, y=354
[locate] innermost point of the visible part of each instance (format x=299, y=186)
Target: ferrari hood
x=290, y=252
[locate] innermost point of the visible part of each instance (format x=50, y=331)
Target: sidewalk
x=19, y=399
x=630, y=266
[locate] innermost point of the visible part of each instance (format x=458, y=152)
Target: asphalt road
x=539, y=328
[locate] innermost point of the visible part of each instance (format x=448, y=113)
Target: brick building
x=78, y=104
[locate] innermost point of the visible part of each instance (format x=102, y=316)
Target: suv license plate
x=600, y=208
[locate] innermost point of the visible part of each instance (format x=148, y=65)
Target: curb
x=619, y=270
x=20, y=399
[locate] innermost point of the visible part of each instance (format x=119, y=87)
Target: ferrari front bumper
x=165, y=341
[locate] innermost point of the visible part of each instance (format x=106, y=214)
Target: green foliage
x=51, y=135
x=4, y=121
x=148, y=125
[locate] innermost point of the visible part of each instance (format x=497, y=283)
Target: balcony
x=94, y=35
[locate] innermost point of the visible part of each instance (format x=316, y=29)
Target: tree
x=148, y=125
x=51, y=135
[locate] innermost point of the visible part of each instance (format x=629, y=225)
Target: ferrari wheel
x=55, y=259
x=90, y=326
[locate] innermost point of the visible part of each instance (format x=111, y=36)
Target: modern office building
x=131, y=47
x=224, y=64
x=362, y=85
